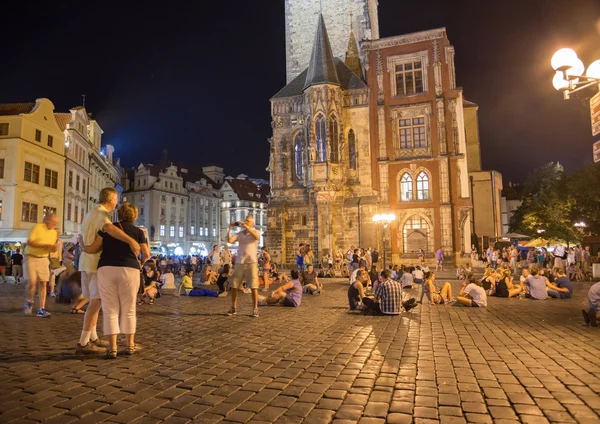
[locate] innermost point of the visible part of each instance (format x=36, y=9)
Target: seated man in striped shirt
x=388, y=297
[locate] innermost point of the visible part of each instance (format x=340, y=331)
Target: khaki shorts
x=37, y=269
x=89, y=285
x=247, y=273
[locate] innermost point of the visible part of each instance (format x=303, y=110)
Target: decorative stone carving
x=444, y=181
x=455, y=140
x=441, y=126
x=398, y=113
x=416, y=37
x=381, y=127
x=450, y=62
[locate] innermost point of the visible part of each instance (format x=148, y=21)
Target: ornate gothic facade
x=381, y=131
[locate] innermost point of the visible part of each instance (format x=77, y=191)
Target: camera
x=237, y=224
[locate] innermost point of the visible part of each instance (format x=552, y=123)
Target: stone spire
x=321, y=69
x=353, y=57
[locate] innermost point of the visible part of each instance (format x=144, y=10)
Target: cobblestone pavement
x=516, y=361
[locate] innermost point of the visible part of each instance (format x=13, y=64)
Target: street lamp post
x=569, y=77
x=385, y=219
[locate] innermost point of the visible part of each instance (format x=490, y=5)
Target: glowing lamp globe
x=559, y=82
x=593, y=71
x=563, y=59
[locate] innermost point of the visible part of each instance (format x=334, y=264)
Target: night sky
x=196, y=78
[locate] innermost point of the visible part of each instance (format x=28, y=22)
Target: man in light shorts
x=41, y=241
x=246, y=266
x=95, y=220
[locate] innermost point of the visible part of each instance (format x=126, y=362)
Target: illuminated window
x=334, y=137
x=423, y=186
x=214, y=232
x=409, y=78
x=48, y=210
x=161, y=230
x=320, y=131
x=29, y=212
x=180, y=232
x=406, y=188
x=352, y=149
x=172, y=231
x=192, y=230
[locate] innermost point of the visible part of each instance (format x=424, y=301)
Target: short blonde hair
x=128, y=213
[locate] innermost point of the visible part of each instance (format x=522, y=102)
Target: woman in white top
x=472, y=294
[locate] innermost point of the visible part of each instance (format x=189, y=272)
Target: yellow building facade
x=32, y=167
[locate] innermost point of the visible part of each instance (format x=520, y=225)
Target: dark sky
x=196, y=78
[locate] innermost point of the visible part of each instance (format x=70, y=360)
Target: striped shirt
x=389, y=294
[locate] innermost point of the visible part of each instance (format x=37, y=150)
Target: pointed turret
x=321, y=69
x=353, y=57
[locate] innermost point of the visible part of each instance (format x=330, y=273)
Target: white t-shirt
x=353, y=275
x=477, y=294
x=247, y=248
x=417, y=273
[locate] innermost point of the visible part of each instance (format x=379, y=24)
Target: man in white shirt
x=559, y=254
x=246, y=266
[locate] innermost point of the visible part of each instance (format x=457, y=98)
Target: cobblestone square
x=516, y=361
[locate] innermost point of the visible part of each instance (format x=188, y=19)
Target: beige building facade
x=32, y=167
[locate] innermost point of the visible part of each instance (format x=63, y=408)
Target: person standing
x=42, y=240
x=95, y=220
x=439, y=256
x=246, y=265
x=3, y=265
x=300, y=258
x=266, y=260
x=215, y=257
x=17, y=265
x=119, y=279
x=226, y=256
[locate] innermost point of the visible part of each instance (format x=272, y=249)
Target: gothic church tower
x=341, y=16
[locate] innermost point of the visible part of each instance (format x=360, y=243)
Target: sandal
x=77, y=311
x=111, y=354
x=130, y=350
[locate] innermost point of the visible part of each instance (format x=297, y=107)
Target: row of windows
x=32, y=174
x=407, y=187
x=29, y=211
x=77, y=217
x=77, y=182
x=201, y=231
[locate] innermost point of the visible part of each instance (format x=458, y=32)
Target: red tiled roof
x=8, y=109
x=63, y=119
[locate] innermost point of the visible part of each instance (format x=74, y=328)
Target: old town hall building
x=373, y=127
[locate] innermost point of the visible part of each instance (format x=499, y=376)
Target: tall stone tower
x=342, y=16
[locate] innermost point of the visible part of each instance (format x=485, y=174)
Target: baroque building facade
x=382, y=130
x=32, y=167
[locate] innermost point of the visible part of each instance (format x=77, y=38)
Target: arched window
x=320, y=130
x=422, y=186
x=299, y=158
x=352, y=149
x=416, y=235
x=334, y=137
x=406, y=188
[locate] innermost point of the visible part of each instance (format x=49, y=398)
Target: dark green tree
x=547, y=205
x=584, y=187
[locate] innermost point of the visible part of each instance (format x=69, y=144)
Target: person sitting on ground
x=222, y=280
x=396, y=273
x=488, y=282
x=460, y=272
x=151, y=282
x=434, y=296
x=472, y=294
x=418, y=275
x=373, y=275
x=321, y=271
x=288, y=294
x=208, y=276
x=590, y=317
x=504, y=286
x=564, y=286
x=310, y=281
x=354, y=274
x=345, y=270
x=186, y=283
x=356, y=291
x=387, y=298
x=406, y=280
x=537, y=285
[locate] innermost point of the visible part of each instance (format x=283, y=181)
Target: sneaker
x=52, y=294
x=42, y=313
x=28, y=309
x=89, y=349
x=255, y=314
x=222, y=294
x=231, y=312
x=99, y=342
